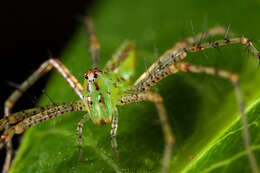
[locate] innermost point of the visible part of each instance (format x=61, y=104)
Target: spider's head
x=97, y=96
x=92, y=74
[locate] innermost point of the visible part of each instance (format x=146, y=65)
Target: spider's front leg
x=169, y=64
x=158, y=70
x=168, y=135
x=46, y=114
x=43, y=69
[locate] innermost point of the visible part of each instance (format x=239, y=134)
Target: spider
x=103, y=91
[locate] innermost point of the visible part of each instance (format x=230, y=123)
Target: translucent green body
x=102, y=90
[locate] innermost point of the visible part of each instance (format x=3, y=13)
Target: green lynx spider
x=100, y=101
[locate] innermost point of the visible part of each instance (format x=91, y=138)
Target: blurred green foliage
x=202, y=109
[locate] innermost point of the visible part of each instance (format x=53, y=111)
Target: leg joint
x=154, y=97
x=9, y=103
x=170, y=139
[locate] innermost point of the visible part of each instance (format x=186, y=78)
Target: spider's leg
x=121, y=54
x=217, y=30
x=94, y=44
x=58, y=110
x=9, y=151
x=11, y=119
x=9, y=103
x=43, y=69
x=21, y=115
x=8, y=157
x=159, y=69
x=168, y=135
x=113, y=133
x=14, y=118
x=234, y=78
x=79, y=134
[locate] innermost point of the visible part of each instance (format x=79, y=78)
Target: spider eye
x=86, y=77
x=95, y=75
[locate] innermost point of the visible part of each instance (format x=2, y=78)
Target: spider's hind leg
x=234, y=78
x=169, y=137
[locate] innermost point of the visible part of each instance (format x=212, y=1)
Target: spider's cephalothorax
x=100, y=90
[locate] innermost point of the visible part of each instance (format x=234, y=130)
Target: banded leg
x=12, y=119
x=21, y=115
x=9, y=151
x=217, y=30
x=159, y=69
x=94, y=44
x=79, y=135
x=58, y=110
x=113, y=133
x=168, y=135
x=43, y=69
x=120, y=56
x=185, y=67
x=8, y=157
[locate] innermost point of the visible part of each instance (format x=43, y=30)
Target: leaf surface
x=202, y=109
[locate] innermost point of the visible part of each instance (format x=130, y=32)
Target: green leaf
x=202, y=109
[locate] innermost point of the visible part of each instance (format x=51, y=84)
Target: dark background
x=31, y=32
